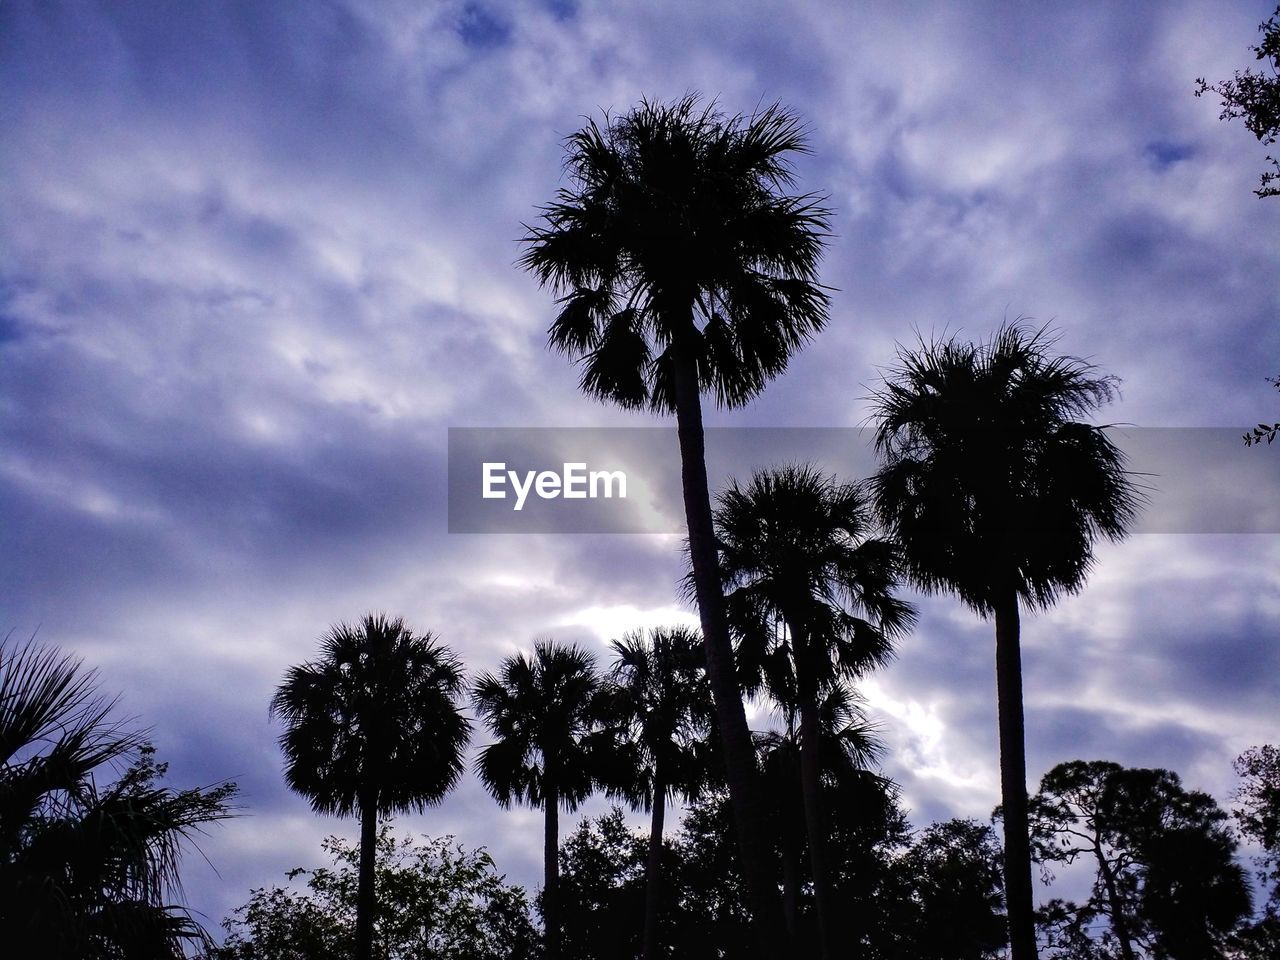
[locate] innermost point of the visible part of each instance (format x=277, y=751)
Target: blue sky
x=258, y=258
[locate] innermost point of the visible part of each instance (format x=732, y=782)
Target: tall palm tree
x=998, y=495
x=88, y=860
x=660, y=685
x=545, y=712
x=796, y=549
x=372, y=727
x=683, y=265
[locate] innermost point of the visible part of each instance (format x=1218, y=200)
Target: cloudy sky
x=258, y=258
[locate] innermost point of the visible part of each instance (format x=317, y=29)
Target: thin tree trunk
x=790, y=827
x=790, y=818
x=365, y=893
x=551, y=876
x=653, y=872
x=811, y=786
x=735, y=736
x=1013, y=779
x=1119, y=924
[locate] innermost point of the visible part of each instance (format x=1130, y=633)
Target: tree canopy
x=90, y=838
x=1166, y=882
x=436, y=900
x=1254, y=97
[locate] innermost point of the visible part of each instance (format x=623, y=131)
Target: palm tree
x=849, y=749
x=372, y=728
x=998, y=495
x=660, y=685
x=682, y=266
x=88, y=868
x=795, y=548
x=545, y=712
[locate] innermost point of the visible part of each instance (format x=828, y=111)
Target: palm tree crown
x=988, y=476
x=375, y=717
x=660, y=690
x=852, y=748
x=544, y=712
x=796, y=546
x=674, y=235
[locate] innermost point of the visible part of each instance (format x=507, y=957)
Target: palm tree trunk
x=1013, y=779
x=791, y=874
x=365, y=894
x=811, y=784
x=551, y=875
x=731, y=717
x=653, y=872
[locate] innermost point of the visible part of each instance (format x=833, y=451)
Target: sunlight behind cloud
x=610, y=623
x=921, y=746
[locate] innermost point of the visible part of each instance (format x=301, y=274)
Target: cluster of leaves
x=1258, y=817
x=1255, y=98
x=1264, y=431
x=436, y=901
x=90, y=839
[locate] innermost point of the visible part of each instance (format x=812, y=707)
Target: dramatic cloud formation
x=259, y=257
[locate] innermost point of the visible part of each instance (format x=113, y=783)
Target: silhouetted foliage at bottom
x=1257, y=815
x=933, y=896
x=1166, y=883
x=952, y=873
x=90, y=838
x=436, y=901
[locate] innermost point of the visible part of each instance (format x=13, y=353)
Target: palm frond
x=377, y=716
x=681, y=213
x=985, y=467
x=797, y=552
x=85, y=869
x=544, y=712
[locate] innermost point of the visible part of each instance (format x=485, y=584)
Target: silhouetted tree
x=998, y=495
x=1255, y=98
x=661, y=687
x=603, y=889
x=683, y=266
x=708, y=884
x=796, y=548
x=88, y=861
x=1257, y=814
x=1165, y=880
x=705, y=910
x=372, y=727
x=848, y=750
x=545, y=712
x=952, y=870
x=435, y=901
x=936, y=896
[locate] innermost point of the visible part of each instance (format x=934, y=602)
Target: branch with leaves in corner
x=1255, y=98
x=1264, y=431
